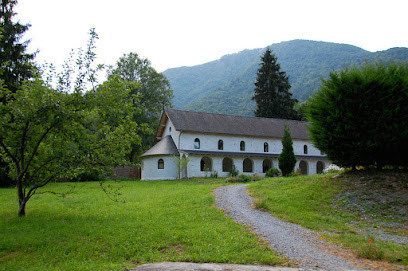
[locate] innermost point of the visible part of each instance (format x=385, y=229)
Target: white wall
x=209, y=142
x=151, y=172
x=170, y=130
x=194, y=170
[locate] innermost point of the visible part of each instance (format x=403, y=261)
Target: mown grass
x=159, y=221
x=311, y=201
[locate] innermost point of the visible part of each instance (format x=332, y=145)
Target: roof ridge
x=220, y=114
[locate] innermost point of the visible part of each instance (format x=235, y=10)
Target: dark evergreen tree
x=359, y=117
x=287, y=159
x=272, y=96
x=15, y=63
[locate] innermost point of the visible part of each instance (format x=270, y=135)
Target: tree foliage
x=153, y=90
x=272, y=96
x=287, y=158
x=49, y=133
x=15, y=63
x=359, y=117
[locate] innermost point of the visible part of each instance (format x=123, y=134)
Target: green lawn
x=314, y=202
x=159, y=221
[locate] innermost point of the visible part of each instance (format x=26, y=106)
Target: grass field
x=349, y=211
x=159, y=221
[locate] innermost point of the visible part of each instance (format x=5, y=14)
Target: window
x=169, y=129
x=242, y=146
x=266, y=165
x=247, y=165
x=160, y=164
x=266, y=147
x=196, y=143
x=226, y=164
x=305, y=149
x=220, y=144
x=206, y=164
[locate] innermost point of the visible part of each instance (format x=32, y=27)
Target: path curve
x=291, y=240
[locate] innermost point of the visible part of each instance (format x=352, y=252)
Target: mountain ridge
x=226, y=85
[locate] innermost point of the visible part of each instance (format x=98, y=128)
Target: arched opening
x=206, y=164
x=227, y=164
x=242, y=146
x=247, y=165
x=220, y=144
x=266, y=165
x=319, y=167
x=303, y=167
x=305, y=149
x=266, y=147
x=160, y=164
x=196, y=143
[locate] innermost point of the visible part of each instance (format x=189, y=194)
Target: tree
x=53, y=133
x=154, y=92
x=48, y=133
x=359, y=116
x=15, y=64
x=272, y=96
x=287, y=158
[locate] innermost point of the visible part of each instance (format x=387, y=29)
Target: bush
x=234, y=171
x=272, y=172
x=89, y=176
x=244, y=178
x=232, y=180
x=214, y=174
x=359, y=117
x=332, y=169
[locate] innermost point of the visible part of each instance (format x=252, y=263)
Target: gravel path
x=291, y=240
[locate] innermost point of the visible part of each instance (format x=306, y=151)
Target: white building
x=216, y=142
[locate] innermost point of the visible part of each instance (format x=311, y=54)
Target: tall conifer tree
x=287, y=158
x=272, y=96
x=15, y=63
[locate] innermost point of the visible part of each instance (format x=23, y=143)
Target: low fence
x=130, y=172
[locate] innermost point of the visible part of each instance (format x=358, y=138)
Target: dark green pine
x=272, y=96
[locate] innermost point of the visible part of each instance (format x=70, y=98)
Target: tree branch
x=37, y=146
x=15, y=160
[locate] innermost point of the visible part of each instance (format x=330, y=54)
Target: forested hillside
x=226, y=85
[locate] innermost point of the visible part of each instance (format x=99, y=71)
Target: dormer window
x=305, y=149
x=242, y=146
x=197, y=143
x=266, y=147
x=220, y=144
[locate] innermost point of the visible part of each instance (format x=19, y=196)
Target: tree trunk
x=22, y=200
x=21, y=209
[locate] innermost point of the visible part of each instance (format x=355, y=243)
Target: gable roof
x=234, y=125
x=165, y=146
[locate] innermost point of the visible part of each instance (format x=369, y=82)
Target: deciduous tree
x=154, y=92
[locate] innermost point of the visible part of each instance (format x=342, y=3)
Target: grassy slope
x=160, y=221
x=342, y=208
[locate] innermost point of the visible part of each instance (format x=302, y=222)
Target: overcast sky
x=173, y=33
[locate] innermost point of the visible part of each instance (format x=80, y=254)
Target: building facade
x=215, y=143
